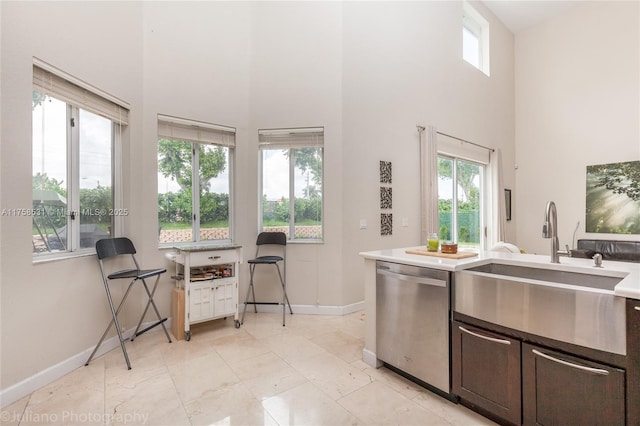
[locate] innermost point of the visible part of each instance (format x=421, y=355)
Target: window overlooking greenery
x=460, y=206
x=74, y=133
x=292, y=182
x=475, y=38
x=194, y=181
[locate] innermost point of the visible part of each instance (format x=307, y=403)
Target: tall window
x=475, y=38
x=195, y=169
x=292, y=182
x=460, y=201
x=75, y=132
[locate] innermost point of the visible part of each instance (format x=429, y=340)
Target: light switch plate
x=363, y=223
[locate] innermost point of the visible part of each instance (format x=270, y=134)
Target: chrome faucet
x=550, y=230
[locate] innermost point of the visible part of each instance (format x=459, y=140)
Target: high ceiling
x=519, y=15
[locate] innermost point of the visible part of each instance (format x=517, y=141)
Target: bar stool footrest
x=157, y=323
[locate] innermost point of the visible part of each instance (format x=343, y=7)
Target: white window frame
x=291, y=139
x=454, y=202
x=78, y=95
x=477, y=25
x=200, y=133
x=456, y=150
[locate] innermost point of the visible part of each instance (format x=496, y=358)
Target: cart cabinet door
x=200, y=302
x=486, y=371
x=225, y=297
x=559, y=389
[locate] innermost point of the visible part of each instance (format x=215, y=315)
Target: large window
x=475, y=38
x=195, y=161
x=291, y=182
x=460, y=201
x=75, y=132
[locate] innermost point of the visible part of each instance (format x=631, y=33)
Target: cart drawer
x=213, y=257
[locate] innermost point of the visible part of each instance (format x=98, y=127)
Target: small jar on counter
x=433, y=242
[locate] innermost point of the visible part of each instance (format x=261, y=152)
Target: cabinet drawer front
x=216, y=257
x=563, y=389
x=486, y=370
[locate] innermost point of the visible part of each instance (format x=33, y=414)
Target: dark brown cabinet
x=516, y=381
x=559, y=389
x=486, y=371
x=633, y=362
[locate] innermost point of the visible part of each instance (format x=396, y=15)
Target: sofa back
x=626, y=251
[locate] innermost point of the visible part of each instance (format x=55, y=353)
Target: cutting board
x=459, y=255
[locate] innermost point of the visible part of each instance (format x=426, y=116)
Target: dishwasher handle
x=413, y=278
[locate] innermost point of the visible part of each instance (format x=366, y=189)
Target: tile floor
x=307, y=373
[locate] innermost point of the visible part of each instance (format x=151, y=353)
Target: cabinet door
x=559, y=389
x=200, y=302
x=633, y=361
x=225, y=297
x=486, y=371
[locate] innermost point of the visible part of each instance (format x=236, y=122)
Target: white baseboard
x=370, y=358
x=309, y=309
x=42, y=378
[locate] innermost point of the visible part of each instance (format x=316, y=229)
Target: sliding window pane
x=308, y=193
x=468, y=188
x=275, y=190
x=49, y=179
x=175, y=210
x=445, y=199
x=214, y=192
x=96, y=196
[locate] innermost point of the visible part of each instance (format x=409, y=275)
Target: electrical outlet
x=405, y=221
x=363, y=223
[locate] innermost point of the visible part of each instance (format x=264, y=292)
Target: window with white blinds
x=195, y=180
x=195, y=131
x=76, y=133
x=291, y=181
x=50, y=81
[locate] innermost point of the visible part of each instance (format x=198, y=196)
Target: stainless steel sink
x=603, y=282
x=572, y=307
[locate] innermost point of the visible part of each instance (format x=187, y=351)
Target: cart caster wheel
x=237, y=324
x=187, y=335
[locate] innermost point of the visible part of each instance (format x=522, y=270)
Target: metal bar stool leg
x=253, y=291
x=250, y=289
x=285, y=298
x=144, y=313
x=284, y=288
x=155, y=308
x=114, y=320
x=151, y=302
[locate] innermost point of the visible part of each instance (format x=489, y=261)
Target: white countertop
x=628, y=287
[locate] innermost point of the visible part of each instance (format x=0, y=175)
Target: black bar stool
x=278, y=239
x=112, y=247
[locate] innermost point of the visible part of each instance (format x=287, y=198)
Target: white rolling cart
x=209, y=276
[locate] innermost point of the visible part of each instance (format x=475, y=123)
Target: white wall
x=403, y=67
x=296, y=81
x=577, y=104
x=54, y=310
x=196, y=61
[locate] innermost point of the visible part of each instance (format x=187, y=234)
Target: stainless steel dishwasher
x=412, y=321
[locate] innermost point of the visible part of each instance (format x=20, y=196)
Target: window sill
x=61, y=256
x=207, y=243
x=305, y=241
